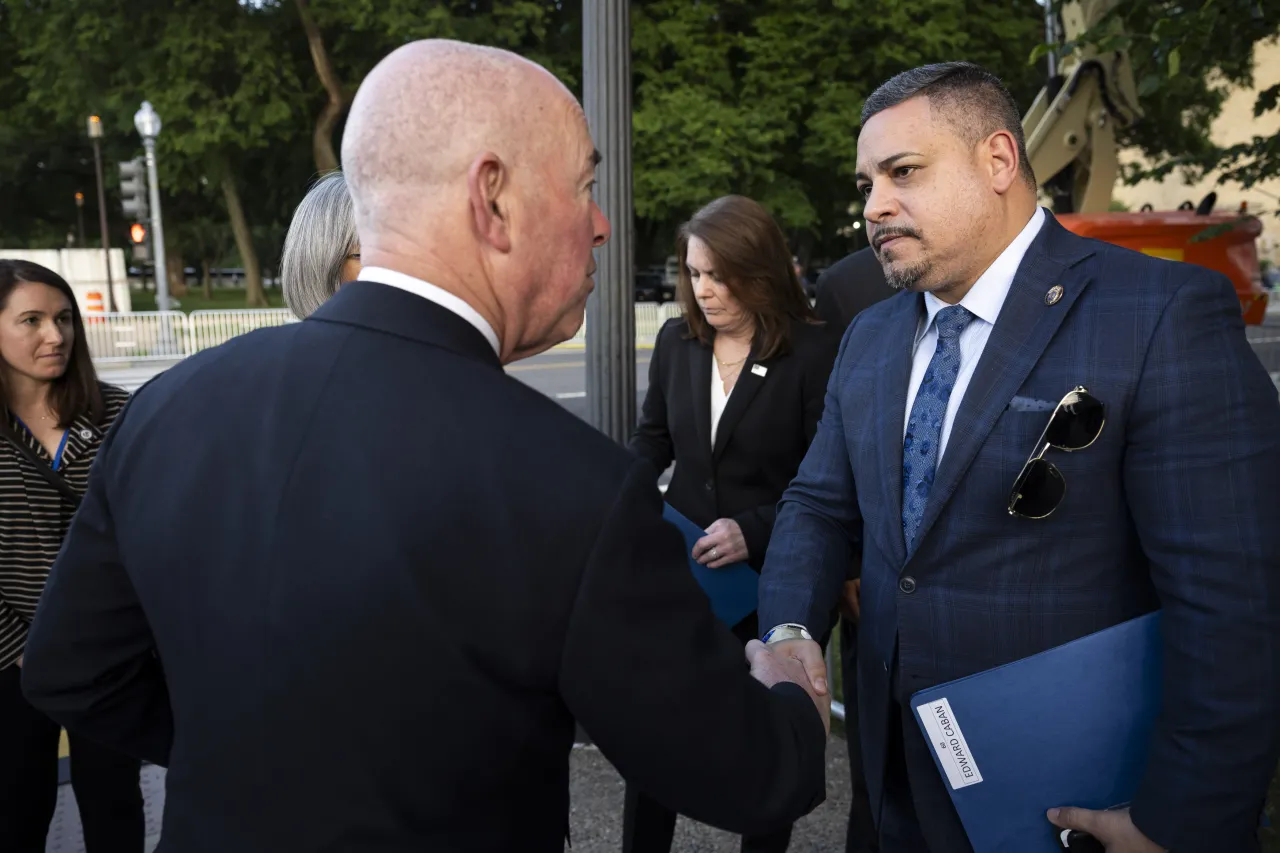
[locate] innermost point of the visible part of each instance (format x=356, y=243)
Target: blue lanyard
x=62, y=445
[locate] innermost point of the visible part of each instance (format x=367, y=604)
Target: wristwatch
x=787, y=631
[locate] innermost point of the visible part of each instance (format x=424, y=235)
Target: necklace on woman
x=724, y=363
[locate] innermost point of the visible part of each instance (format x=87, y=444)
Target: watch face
x=787, y=632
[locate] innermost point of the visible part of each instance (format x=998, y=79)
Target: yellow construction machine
x=1071, y=143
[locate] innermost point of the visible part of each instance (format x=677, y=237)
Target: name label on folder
x=949, y=743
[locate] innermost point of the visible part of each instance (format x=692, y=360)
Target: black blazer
x=383, y=585
x=850, y=285
x=762, y=437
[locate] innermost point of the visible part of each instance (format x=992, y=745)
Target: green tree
x=763, y=98
x=212, y=69
x=43, y=162
x=1186, y=57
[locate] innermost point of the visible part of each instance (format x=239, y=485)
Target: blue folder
x=1067, y=727
x=731, y=588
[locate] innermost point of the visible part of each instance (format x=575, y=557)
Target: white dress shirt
x=984, y=300
x=718, y=398
x=431, y=293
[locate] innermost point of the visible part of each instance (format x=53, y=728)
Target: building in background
x=1236, y=124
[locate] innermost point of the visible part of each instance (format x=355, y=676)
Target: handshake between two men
x=802, y=661
x=797, y=661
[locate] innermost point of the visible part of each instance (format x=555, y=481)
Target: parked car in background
x=648, y=285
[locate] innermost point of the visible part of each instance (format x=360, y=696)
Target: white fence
x=211, y=328
x=144, y=336
x=649, y=319
x=171, y=335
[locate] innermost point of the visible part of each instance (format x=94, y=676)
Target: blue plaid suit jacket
x=1172, y=507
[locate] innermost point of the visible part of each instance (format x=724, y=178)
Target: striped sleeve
x=13, y=634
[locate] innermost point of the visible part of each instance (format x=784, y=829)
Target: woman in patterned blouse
x=53, y=416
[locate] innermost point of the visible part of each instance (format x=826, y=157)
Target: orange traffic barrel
x=94, y=307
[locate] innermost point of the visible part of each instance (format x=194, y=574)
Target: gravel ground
x=595, y=811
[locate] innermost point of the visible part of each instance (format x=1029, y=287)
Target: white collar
x=985, y=299
x=435, y=294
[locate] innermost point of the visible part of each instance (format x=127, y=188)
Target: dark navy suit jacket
x=1172, y=507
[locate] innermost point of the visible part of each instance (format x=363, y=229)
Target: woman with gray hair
x=322, y=248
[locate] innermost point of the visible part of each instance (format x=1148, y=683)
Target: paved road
x=560, y=374
x=595, y=811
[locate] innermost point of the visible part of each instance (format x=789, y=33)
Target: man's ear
x=487, y=180
x=1001, y=153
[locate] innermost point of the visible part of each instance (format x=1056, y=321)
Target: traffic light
x=138, y=236
x=133, y=188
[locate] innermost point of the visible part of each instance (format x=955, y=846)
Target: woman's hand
x=722, y=545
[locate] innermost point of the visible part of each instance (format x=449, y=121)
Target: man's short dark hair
x=973, y=101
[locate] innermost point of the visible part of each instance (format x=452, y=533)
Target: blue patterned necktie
x=924, y=428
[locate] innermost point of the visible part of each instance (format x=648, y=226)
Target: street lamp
x=95, y=133
x=147, y=121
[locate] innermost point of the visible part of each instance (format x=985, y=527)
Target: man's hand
x=1114, y=829
x=723, y=544
x=809, y=654
x=851, y=600
x=770, y=666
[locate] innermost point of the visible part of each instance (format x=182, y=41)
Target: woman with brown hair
x=736, y=389
x=53, y=416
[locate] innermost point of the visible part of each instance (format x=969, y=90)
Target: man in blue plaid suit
x=938, y=400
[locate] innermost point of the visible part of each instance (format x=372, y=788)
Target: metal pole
x=157, y=227
x=1051, y=36
x=80, y=218
x=102, y=223
x=610, y=333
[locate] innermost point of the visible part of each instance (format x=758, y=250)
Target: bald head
x=425, y=113
x=472, y=168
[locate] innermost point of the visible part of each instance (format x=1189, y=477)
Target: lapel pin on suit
x=759, y=369
x=1054, y=294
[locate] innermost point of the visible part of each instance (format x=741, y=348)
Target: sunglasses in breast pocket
x=1075, y=424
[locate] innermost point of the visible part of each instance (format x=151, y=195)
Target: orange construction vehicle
x=1070, y=132
x=1169, y=234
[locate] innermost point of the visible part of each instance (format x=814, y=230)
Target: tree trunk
x=206, y=280
x=175, y=265
x=254, y=295
x=327, y=121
